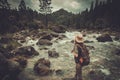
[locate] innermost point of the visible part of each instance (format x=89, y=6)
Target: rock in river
x=27, y=51
x=44, y=42
x=53, y=53
x=104, y=38
x=42, y=67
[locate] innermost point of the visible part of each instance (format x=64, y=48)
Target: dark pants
x=78, y=75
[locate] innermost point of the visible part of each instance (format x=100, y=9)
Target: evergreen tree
x=92, y=6
x=4, y=4
x=45, y=9
x=22, y=6
x=96, y=4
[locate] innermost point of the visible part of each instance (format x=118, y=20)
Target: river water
x=102, y=59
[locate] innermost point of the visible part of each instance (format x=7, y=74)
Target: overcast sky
x=74, y=6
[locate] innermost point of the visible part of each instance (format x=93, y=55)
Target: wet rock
x=87, y=41
x=61, y=37
x=5, y=52
x=9, y=69
x=18, y=36
x=58, y=29
x=53, y=54
x=96, y=75
x=117, y=52
x=69, y=78
x=22, y=41
x=27, y=51
x=42, y=67
x=44, y=42
x=117, y=38
x=26, y=76
x=47, y=37
x=54, y=34
x=59, y=72
x=5, y=40
x=90, y=47
x=21, y=60
x=104, y=38
x=8, y=43
x=44, y=61
x=72, y=41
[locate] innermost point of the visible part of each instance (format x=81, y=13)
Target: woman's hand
x=75, y=54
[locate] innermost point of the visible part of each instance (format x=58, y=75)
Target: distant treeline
x=12, y=20
x=102, y=14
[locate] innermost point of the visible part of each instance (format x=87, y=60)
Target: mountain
x=61, y=17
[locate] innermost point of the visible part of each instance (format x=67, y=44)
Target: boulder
x=58, y=29
x=53, y=54
x=90, y=47
x=61, y=37
x=4, y=52
x=59, y=72
x=87, y=41
x=104, y=38
x=117, y=52
x=44, y=42
x=9, y=43
x=72, y=41
x=42, y=67
x=96, y=75
x=9, y=69
x=47, y=37
x=54, y=34
x=21, y=60
x=27, y=51
x=117, y=38
x=5, y=39
x=44, y=61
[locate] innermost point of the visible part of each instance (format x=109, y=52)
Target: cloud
x=70, y=5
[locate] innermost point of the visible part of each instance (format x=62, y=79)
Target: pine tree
x=22, y=6
x=96, y=4
x=4, y=4
x=92, y=6
x=45, y=9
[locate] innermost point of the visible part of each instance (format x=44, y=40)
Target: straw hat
x=79, y=38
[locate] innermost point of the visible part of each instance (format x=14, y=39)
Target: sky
x=74, y=6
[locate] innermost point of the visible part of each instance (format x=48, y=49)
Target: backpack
x=84, y=54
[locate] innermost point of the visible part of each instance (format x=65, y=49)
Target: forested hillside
x=102, y=14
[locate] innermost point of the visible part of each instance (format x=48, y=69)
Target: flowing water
x=102, y=55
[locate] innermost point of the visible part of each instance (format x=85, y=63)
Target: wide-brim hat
x=79, y=38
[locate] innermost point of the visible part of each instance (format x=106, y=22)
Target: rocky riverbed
x=56, y=48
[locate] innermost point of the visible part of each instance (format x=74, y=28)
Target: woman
x=77, y=52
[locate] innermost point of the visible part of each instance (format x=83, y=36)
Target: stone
x=59, y=72
x=58, y=29
x=104, y=38
x=21, y=60
x=53, y=54
x=47, y=37
x=5, y=40
x=87, y=41
x=42, y=67
x=27, y=51
x=44, y=42
x=117, y=38
x=61, y=37
x=9, y=69
x=117, y=52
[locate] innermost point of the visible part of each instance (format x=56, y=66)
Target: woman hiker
x=81, y=56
